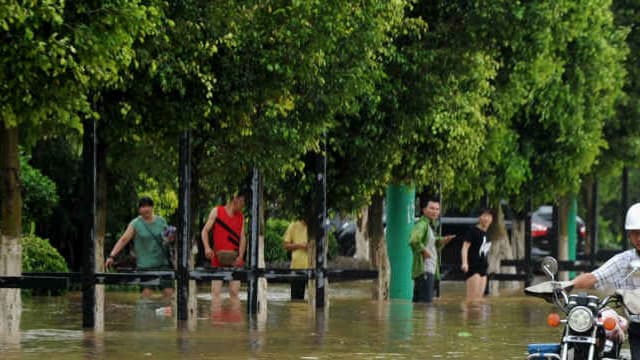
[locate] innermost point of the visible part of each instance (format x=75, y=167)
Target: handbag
x=226, y=258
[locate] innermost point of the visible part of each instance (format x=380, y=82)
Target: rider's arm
x=204, y=234
x=610, y=274
x=585, y=281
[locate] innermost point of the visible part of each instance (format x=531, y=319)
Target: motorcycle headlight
x=580, y=319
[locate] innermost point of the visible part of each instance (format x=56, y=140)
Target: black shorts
x=480, y=269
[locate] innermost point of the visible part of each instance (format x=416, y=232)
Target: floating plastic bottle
x=164, y=311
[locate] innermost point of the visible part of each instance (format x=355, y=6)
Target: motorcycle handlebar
x=616, y=299
x=558, y=291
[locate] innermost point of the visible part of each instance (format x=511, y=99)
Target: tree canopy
x=500, y=98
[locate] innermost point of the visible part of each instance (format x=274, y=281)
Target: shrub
x=274, y=250
x=39, y=194
x=39, y=256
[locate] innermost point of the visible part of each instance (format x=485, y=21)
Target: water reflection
x=93, y=344
x=321, y=325
x=256, y=334
x=10, y=343
x=400, y=320
x=229, y=312
x=151, y=314
x=478, y=311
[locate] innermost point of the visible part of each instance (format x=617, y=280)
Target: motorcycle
x=592, y=329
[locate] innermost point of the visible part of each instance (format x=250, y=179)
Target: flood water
x=354, y=327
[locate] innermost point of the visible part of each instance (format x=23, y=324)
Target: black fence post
x=595, y=212
x=89, y=233
x=252, y=286
x=527, y=242
x=184, y=234
x=625, y=205
x=554, y=240
x=321, y=223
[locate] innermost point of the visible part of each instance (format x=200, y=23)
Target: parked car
x=345, y=233
x=542, y=232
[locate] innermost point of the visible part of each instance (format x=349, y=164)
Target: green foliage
x=57, y=51
x=39, y=256
x=274, y=250
x=560, y=75
x=39, y=194
x=621, y=131
x=612, y=211
x=165, y=200
x=504, y=98
x=422, y=123
x=268, y=76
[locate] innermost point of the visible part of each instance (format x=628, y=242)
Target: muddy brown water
x=354, y=327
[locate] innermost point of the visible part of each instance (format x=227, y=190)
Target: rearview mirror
x=549, y=266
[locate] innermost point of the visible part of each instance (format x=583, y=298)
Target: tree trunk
x=317, y=231
x=587, y=199
x=101, y=228
x=518, y=237
x=196, y=255
x=10, y=228
x=378, y=248
x=362, y=235
x=312, y=234
x=262, y=282
x=312, y=251
x=563, y=233
x=197, y=198
x=500, y=249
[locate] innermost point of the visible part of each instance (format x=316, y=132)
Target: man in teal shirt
x=425, y=246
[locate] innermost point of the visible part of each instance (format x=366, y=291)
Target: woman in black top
x=475, y=250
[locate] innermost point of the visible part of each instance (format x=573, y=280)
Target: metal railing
x=64, y=280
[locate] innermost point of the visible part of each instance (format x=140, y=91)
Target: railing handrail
x=132, y=277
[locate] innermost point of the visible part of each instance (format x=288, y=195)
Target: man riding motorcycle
x=613, y=273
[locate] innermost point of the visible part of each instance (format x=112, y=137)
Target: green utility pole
x=572, y=231
x=400, y=218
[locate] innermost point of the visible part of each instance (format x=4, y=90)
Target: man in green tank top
x=150, y=245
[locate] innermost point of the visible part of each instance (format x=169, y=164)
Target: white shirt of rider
x=615, y=272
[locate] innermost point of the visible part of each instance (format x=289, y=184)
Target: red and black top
x=226, y=233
